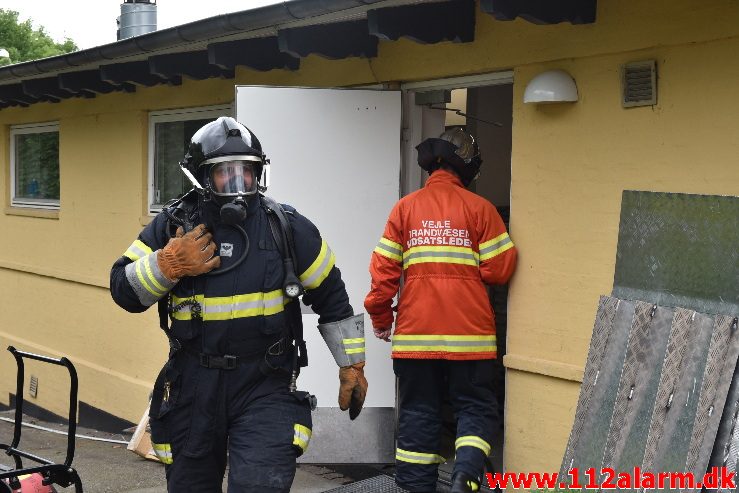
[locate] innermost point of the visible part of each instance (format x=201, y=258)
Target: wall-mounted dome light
x=552, y=86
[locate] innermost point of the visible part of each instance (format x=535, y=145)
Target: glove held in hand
x=188, y=254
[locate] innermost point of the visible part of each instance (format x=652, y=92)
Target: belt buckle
x=229, y=362
x=204, y=360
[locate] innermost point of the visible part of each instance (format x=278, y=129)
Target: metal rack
x=62, y=474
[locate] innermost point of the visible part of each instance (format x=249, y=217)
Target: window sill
x=32, y=212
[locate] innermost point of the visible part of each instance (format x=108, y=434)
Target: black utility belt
x=231, y=361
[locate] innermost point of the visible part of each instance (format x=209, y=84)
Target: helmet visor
x=233, y=178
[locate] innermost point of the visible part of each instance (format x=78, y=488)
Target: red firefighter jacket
x=446, y=242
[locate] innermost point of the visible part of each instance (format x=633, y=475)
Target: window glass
x=171, y=141
x=170, y=132
x=35, y=163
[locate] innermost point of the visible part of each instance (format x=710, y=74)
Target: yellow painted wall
x=569, y=166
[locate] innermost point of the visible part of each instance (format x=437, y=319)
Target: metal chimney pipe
x=137, y=17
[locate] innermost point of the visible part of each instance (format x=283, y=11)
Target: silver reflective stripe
x=137, y=250
x=427, y=342
x=389, y=249
x=473, y=441
x=314, y=280
x=243, y=305
x=437, y=254
x=147, y=280
x=163, y=451
x=495, y=246
x=418, y=457
x=345, y=339
x=231, y=307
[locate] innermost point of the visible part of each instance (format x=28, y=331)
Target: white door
x=335, y=156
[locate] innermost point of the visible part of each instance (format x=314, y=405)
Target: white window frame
x=175, y=115
x=33, y=128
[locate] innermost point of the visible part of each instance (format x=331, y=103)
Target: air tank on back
x=137, y=17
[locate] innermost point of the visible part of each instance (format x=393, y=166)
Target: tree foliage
x=25, y=43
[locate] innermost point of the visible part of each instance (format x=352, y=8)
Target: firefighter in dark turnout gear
x=216, y=265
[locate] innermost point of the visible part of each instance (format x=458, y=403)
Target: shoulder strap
x=282, y=234
x=285, y=227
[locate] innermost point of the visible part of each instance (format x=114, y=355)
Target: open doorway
x=485, y=110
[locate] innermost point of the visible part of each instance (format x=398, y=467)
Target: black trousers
x=199, y=414
x=422, y=385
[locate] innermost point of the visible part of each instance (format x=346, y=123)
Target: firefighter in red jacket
x=447, y=243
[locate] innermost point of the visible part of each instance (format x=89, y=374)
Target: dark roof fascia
x=202, y=30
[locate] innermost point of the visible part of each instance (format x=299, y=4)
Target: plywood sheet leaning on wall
x=659, y=390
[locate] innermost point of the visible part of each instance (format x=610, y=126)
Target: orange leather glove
x=352, y=388
x=188, y=254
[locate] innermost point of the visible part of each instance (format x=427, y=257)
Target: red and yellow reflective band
x=301, y=436
x=390, y=249
x=163, y=451
x=231, y=307
x=440, y=254
x=473, y=441
x=444, y=343
x=418, y=457
x=137, y=250
x=319, y=269
x=494, y=247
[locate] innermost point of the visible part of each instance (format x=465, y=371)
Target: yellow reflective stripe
x=440, y=254
x=390, y=255
x=444, y=343
x=353, y=341
x=447, y=349
x=353, y=346
x=163, y=451
x=137, y=250
x=418, y=457
x=495, y=240
x=391, y=244
x=495, y=247
x=442, y=260
x=390, y=249
x=428, y=248
x=301, y=436
x=319, y=269
x=145, y=282
x=496, y=252
x=444, y=337
x=231, y=307
x=473, y=441
x=151, y=276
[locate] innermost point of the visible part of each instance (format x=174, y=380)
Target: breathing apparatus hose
x=219, y=271
x=187, y=226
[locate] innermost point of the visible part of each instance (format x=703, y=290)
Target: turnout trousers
x=203, y=417
x=422, y=384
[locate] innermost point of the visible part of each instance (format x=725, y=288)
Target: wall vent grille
x=639, y=84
